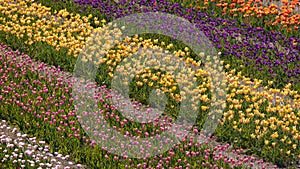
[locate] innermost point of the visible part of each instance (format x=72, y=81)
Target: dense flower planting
x=252, y=117
x=24, y=152
x=270, y=54
x=47, y=112
x=35, y=23
x=260, y=116
x=278, y=13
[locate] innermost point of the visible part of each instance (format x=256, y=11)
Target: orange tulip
x=292, y=21
x=285, y=2
x=286, y=14
x=246, y=15
x=240, y=2
x=232, y=5
x=241, y=10
x=155, y=3
x=218, y=5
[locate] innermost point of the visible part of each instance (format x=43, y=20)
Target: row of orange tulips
x=284, y=13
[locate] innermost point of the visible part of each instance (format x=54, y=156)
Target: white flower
x=21, y=144
x=29, y=152
x=48, y=164
x=42, y=142
x=35, y=147
x=8, y=140
x=10, y=145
